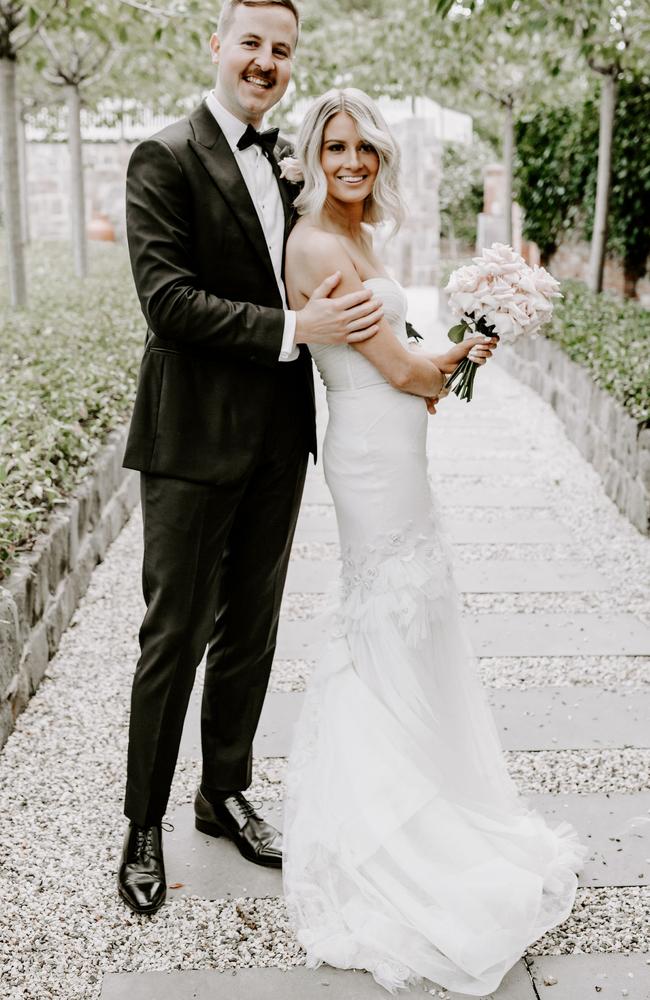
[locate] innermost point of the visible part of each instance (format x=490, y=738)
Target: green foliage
x=555, y=165
x=629, y=225
x=68, y=369
x=610, y=337
x=556, y=170
x=461, y=189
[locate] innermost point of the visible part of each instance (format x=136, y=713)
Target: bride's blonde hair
x=385, y=202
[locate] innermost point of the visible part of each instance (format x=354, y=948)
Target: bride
x=407, y=850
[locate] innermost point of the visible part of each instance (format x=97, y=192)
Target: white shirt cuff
x=289, y=350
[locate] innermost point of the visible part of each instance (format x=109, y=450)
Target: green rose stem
x=465, y=372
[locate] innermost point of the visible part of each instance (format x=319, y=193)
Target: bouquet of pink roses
x=498, y=295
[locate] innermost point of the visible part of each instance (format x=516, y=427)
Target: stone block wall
x=45, y=585
x=603, y=431
x=571, y=260
x=412, y=254
x=48, y=186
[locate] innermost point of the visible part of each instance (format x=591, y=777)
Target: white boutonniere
x=291, y=169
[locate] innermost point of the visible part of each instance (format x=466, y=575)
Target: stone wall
x=412, y=254
x=45, y=585
x=616, y=445
x=571, y=260
x=48, y=186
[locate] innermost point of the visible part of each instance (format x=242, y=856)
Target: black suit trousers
x=215, y=563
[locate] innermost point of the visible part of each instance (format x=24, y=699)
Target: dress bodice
x=343, y=366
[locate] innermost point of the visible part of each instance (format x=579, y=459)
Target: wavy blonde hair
x=385, y=202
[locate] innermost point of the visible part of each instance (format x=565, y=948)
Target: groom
x=221, y=431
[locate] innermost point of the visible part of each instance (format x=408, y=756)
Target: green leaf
x=457, y=333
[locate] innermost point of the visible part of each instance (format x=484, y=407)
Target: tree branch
x=605, y=69
x=20, y=43
x=149, y=9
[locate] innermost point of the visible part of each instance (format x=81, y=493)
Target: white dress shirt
x=263, y=188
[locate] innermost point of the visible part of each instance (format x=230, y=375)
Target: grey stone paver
x=511, y=635
x=479, y=468
x=495, y=576
x=552, y=718
x=211, y=867
x=317, y=492
x=460, y=531
x=478, y=497
x=615, y=827
x=583, y=977
x=275, y=984
x=558, y=635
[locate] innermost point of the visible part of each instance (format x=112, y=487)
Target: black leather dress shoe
x=141, y=877
x=235, y=817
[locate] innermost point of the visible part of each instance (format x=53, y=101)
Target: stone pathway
x=557, y=599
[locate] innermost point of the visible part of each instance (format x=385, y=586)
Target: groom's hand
x=345, y=320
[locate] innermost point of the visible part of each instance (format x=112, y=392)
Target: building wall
x=412, y=254
x=48, y=186
x=571, y=260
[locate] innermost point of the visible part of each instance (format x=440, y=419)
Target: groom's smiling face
x=254, y=58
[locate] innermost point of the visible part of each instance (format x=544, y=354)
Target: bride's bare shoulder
x=309, y=245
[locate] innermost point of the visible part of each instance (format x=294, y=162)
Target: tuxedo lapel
x=286, y=195
x=212, y=149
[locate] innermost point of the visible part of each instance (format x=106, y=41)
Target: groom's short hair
x=230, y=6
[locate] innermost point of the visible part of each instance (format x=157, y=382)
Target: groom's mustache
x=266, y=77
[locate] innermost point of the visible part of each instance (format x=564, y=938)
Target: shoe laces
x=144, y=842
x=244, y=808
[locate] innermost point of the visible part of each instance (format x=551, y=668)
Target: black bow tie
x=265, y=140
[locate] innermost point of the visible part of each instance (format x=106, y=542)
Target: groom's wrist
x=288, y=350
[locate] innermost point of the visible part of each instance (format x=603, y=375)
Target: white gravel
x=612, y=673
x=559, y=772
x=65, y=957
x=560, y=602
x=563, y=772
x=607, y=920
x=315, y=550
x=303, y=606
x=290, y=675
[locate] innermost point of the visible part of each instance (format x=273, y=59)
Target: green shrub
x=68, y=371
x=610, y=337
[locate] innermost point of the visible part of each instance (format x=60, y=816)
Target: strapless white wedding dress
x=408, y=851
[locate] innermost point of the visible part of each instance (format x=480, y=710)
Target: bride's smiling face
x=350, y=164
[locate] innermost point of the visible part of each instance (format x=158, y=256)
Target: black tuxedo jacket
x=208, y=291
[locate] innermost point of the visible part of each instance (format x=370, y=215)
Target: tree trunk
x=508, y=162
x=11, y=184
x=634, y=267
x=77, y=197
x=22, y=166
x=599, y=236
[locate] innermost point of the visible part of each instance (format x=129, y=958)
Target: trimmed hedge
x=610, y=337
x=68, y=372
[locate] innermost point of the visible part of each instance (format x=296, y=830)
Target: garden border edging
x=610, y=439
x=43, y=590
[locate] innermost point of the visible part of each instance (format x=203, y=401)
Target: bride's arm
x=320, y=254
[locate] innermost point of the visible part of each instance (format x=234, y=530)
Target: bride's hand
x=477, y=349
x=432, y=401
